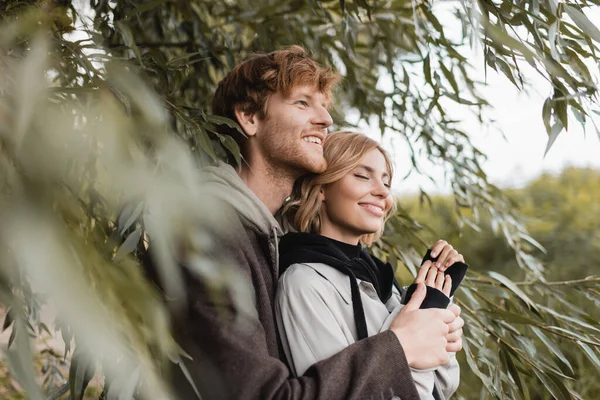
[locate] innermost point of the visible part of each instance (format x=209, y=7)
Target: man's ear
x=248, y=121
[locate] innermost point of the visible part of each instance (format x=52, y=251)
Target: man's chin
x=317, y=166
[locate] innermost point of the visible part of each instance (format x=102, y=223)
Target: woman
x=332, y=292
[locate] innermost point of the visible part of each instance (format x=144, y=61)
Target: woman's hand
x=430, y=275
x=446, y=255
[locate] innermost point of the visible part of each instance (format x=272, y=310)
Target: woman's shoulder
x=302, y=278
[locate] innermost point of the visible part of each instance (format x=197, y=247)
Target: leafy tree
x=104, y=114
x=562, y=214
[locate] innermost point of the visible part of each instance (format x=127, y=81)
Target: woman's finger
x=436, y=249
x=422, y=274
x=431, y=275
x=439, y=280
x=454, y=257
x=447, y=285
x=440, y=263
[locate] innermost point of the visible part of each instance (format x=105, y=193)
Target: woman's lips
x=373, y=209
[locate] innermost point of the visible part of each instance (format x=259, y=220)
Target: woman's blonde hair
x=343, y=151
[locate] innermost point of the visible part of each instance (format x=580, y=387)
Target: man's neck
x=271, y=185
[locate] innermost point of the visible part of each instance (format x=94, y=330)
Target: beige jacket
x=314, y=314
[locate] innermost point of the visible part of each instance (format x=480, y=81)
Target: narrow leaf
x=556, y=129
x=511, y=286
x=583, y=22
x=591, y=354
x=553, y=347
x=129, y=245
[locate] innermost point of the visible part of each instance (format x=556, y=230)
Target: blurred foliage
x=104, y=116
x=562, y=212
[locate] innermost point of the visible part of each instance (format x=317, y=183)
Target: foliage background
x=104, y=115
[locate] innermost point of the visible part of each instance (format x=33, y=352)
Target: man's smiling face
x=291, y=134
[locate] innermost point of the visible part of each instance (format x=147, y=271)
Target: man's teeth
x=312, y=139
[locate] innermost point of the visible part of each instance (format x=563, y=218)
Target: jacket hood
x=223, y=182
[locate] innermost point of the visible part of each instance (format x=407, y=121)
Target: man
x=281, y=100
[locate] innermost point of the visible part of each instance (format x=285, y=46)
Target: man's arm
x=231, y=361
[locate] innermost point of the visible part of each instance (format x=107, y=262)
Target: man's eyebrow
x=310, y=97
x=371, y=170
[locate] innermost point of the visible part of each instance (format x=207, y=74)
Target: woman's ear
x=321, y=195
x=248, y=121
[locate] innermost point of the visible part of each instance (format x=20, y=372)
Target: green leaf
x=450, y=77
x=533, y=242
x=583, y=22
x=131, y=215
x=512, y=369
x=8, y=319
x=218, y=120
x=547, y=114
x=81, y=372
x=552, y=40
x=510, y=285
x=554, y=386
x=128, y=38
x=427, y=69
x=205, y=144
x=553, y=347
x=556, y=130
x=231, y=145
x=129, y=245
x=510, y=317
x=146, y=7
x=591, y=354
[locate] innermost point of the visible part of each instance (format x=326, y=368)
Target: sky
x=518, y=157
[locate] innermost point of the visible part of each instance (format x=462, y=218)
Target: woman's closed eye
x=361, y=176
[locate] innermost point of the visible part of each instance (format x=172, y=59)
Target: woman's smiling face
x=357, y=203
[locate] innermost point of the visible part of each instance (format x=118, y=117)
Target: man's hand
x=423, y=333
x=446, y=255
x=454, y=336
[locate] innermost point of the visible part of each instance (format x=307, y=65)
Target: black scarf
x=351, y=260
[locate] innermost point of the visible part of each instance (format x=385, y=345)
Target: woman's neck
x=339, y=235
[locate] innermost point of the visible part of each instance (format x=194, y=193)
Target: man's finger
x=417, y=299
x=454, y=336
x=447, y=316
x=455, y=308
x=454, y=347
x=455, y=325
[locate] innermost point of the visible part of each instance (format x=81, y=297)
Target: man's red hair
x=249, y=84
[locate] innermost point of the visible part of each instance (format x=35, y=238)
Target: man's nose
x=322, y=117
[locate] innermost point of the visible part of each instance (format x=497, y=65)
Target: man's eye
x=302, y=103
